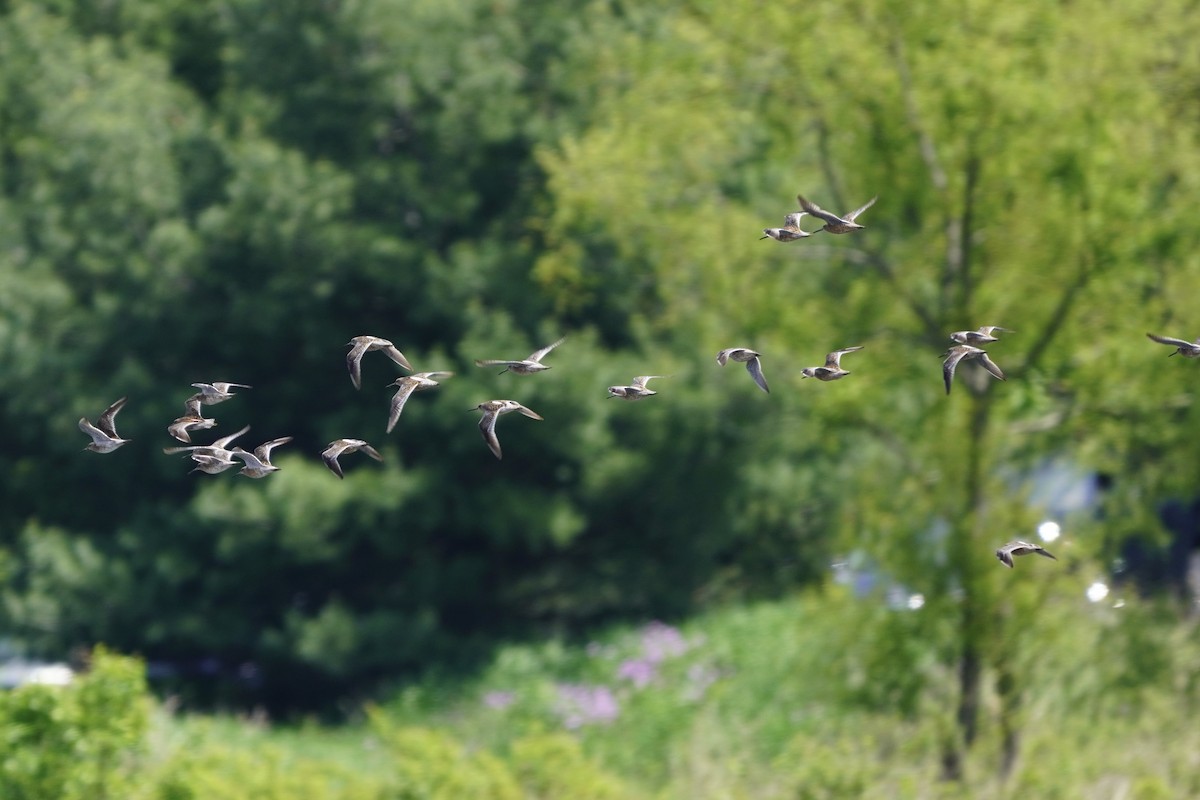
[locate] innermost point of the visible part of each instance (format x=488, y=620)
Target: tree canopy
x=230, y=190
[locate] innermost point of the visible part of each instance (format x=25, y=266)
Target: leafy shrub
x=552, y=766
x=80, y=741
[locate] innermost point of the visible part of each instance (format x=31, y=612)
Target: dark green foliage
x=230, y=191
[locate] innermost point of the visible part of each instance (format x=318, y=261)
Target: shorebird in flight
x=408, y=384
x=217, y=392
x=360, y=345
x=104, y=432
x=1020, y=548
x=958, y=353
x=977, y=337
x=1182, y=348
x=526, y=367
x=636, y=390
x=492, y=409
x=192, y=420
x=258, y=463
x=834, y=223
x=790, y=231
x=218, y=449
x=339, y=447
x=832, y=370
x=748, y=357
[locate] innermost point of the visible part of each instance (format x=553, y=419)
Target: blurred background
x=714, y=592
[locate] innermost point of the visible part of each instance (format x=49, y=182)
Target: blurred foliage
x=230, y=190
x=738, y=703
x=86, y=740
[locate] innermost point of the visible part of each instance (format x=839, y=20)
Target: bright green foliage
x=433, y=766
x=266, y=773
x=84, y=741
x=554, y=765
x=231, y=189
x=1007, y=145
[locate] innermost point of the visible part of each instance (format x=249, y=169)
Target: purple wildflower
x=639, y=671
x=661, y=641
x=580, y=704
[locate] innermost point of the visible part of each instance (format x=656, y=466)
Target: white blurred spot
x=1049, y=531
x=915, y=601
x=1097, y=592
x=1119, y=604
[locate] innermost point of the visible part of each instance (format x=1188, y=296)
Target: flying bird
x=492, y=409
x=527, y=366
x=192, y=420
x=339, y=447
x=958, y=353
x=258, y=463
x=213, y=464
x=750, y=359
x=217, y=392
x=636, y=390
x=1020, y=548
x=790, y=231
x=104, y=432
x=1182, y=348
x=218, y=449
x=361, y=345
x=834, y=223
x=832, y=370
x=408, y=384
x=977, y=337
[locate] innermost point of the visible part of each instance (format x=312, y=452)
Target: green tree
x=1006, y=145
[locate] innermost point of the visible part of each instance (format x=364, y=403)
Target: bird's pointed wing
x=723, y=356
x=251, y=459
x=224, y=442
x=792, y=221
x=1041, y=551
x=354, y=362
x=754, y=367
x=107, y=421
x=853, y=215
x=955, y=355
x=398, y=400
x=990, y=366
x=987, y=330
x=487, y=426
x=435, y=376
x=395, y=355
x=494, y=362
x=1169, y=340
x=538, y=355
x=527, y=412
x=98, y=436
x=641, y=380
x=330, y=456
x=263, y=451
x=179, y=429
x=818, y=212
x=1005, y=557
x=834, y=359
x=191, y=406
x=371, y=451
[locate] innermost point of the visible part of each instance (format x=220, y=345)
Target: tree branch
x=872, y=257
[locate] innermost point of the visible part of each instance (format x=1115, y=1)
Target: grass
x=805, y=698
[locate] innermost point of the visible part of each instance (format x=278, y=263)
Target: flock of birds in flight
x=219, y=456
